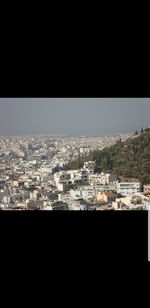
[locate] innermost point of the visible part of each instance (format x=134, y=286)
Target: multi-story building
x=59, y=206
x=126, y=188
x=147, y=189
x=64, y=186
x=78, y=205
x=103, y=179
x=89, y=166
x=147, y=204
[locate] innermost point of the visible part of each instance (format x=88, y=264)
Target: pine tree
x=141, y=130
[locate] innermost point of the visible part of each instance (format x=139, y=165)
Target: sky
x=23, y=116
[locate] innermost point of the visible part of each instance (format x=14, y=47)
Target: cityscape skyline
x=72, y=116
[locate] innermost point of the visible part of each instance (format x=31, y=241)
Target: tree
x=147, y=129
x=129, y=158
x=136, y=132
x=142, y=130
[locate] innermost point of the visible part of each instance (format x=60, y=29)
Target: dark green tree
x=129, y=158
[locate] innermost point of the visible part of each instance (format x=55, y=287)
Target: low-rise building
x=105, y=196
x=59, y=206
x=119, y=205
x=78, y=205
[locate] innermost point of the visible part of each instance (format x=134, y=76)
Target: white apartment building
x=147, y=204
x=85, y=193
x=79, y=175
x=75, y=194
x=75, y=176
x=89, y=166
x=63, y=186
x=6, y=199
x=84, y=175
x=102, y=179
x=33, y=195
x=88, y=193
x=78, y=205
x=64, y=197
x=61, y=177
x=70, y=177
x=126, y=188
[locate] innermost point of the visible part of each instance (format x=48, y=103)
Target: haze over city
x=20, y=116
x=74, y=154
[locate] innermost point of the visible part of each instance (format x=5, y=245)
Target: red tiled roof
x=109, y=194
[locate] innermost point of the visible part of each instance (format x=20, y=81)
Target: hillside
x=130, y=158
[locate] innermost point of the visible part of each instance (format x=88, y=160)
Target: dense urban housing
x=72, y=173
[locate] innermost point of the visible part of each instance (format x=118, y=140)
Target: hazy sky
x=73, y=115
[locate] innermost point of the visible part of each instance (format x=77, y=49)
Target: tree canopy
x=130, y=158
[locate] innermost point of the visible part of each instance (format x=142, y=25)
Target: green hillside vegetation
x=130, y=158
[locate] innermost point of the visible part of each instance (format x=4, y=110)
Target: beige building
x=147, y=189
x=119, y=205
x=15, y=184
x=105, y=196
